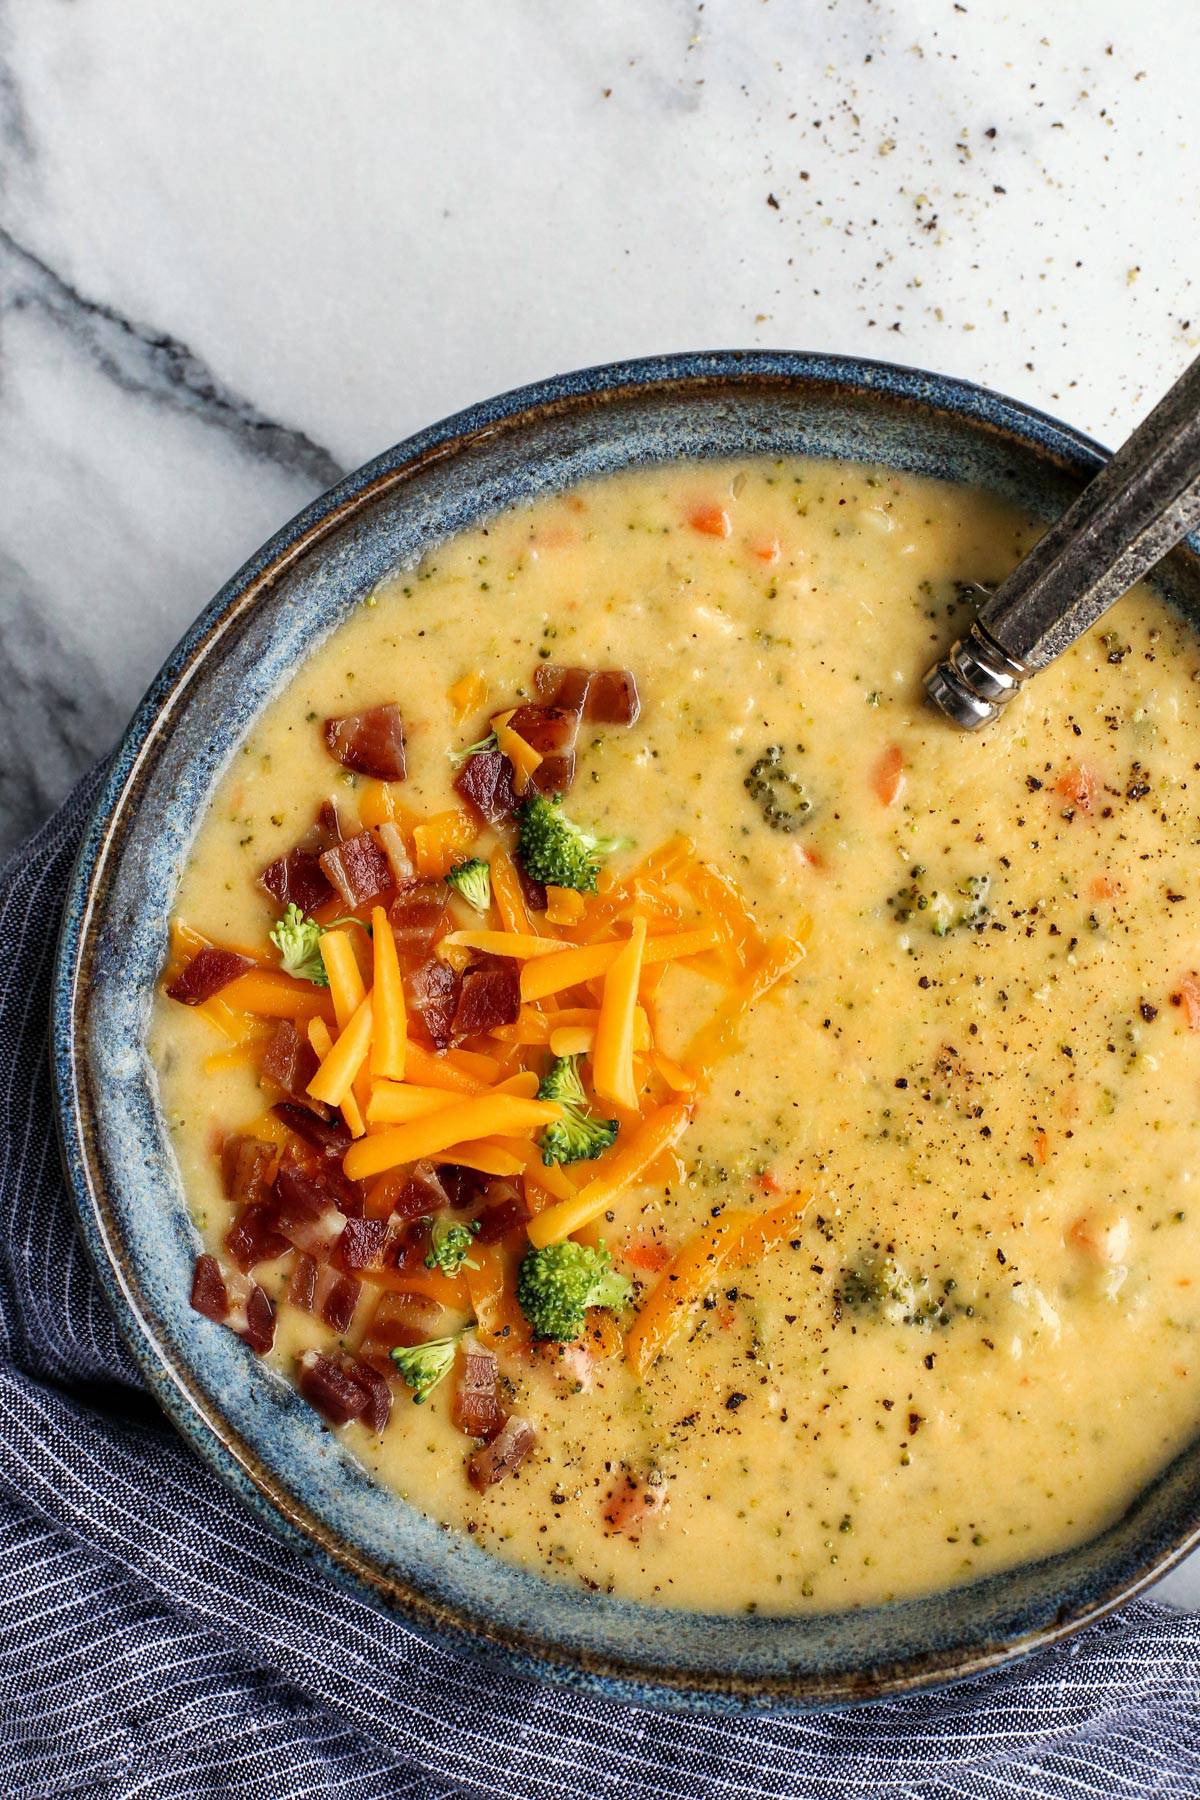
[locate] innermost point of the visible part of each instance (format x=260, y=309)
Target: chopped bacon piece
x=417, y=916
x=258, y=1325
x=632, y=1504
x=489, y=995
x=358, y=869
x=554, y=774
x=379, y=1395
x=558, y=686
x=253, y=1237
x=361, y=1244
x=420, y=1193
x=550, y=730
x=432, y=991
x=371, y=743
x=506, y=1452
x=302, y=1288
x=297, y=879
x=534, y=892
x=334, y=1392
x=505, y=1211
x=613, y=698
x=400, y=1320
x=208, y=1289
x=247, y=1169
x=336, y=1298
x=485, y=781
x=328, y=829
x=206, y=974
x=290, y=1062
x=305, y=1211
x=475, y=1408
x=462, y=1186
x=330, y=1136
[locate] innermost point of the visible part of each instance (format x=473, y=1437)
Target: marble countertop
x=244, y=248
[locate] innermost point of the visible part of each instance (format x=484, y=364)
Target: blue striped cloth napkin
x=157, y=1641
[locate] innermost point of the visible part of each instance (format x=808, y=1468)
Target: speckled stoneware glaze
x=246, y=1422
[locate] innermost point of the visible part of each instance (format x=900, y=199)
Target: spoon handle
x=1136, y=509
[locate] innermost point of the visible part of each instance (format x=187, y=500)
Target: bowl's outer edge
x=183, y=1397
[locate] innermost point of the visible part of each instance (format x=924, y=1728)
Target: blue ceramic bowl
x=247, y=1423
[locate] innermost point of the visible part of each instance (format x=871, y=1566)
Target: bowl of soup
x=613, y=1126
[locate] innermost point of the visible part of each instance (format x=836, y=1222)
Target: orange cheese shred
x=335, y=1077
x=612, y=1052
x=322, y=1042
x=481, y=1116
x=620, y=1169
x=389, y=1044
x=681, y=1287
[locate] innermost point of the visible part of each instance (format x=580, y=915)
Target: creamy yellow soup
x=982, y=1340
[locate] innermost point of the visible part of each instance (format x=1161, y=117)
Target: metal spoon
x=1126, y=519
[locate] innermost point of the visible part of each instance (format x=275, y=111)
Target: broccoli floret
x=423, y=1366
x=578, y=1136
x=459, y=757
x=556, y=1285
x=473, y=880
x=778, y=791
x=450, y=1245
x=967, y=905
x=298, y=941
x=555, y=850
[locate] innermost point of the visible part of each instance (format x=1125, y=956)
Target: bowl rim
x=190, y=1411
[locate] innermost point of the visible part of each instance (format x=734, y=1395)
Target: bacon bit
x=632, y=1504
x=475, y=1407
x=1079, y=785
x=254, y=1322
x=432, y=992
x=506, y=1452
x=358, y=868
x=253, y=1238
x=370, y=743
x=289, y=1063
x=462, y=1187
x=486, y=782
x=361, y=1244
x=552, y=732
x=420, y=1192
x=534, y=892
x=417, y=916
x=336, y=1298
x=206, y=974
x=1104, y=887
x=888, y=778
x=563, y=687
x=208, y=1290
x=505, y=1212
x=710, y=520
x=399, y=1321
x=767, y=550
x=247, y=1169
x=305, y=1212
x=329, y=1136
x=490, y=995
x=297, y=879
x=330, y=1388
x=302, y=1288
x=648, y=1256
x=1187, y=995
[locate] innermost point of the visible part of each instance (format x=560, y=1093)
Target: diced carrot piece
x=1041, y=1146
x=441, y=841
x=620, y=1169
x=1187, y=995
x=682, y=1286
x=765, y=549
x=1104, y=887
x=1078, y=785
x=612, y=1053
x=710, y=520
x=888, y=777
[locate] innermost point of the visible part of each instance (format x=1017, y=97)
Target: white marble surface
x=245, y=246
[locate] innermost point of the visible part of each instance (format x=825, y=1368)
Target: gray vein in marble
x=154, y=364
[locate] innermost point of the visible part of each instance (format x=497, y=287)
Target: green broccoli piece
x=578, y=1136
x=556, y=1285
x=450, y=1245
x=778, y=791
x=459, y=757
x=473, y=880
x=423, y=1366
x=554, y=849
x=298, y=941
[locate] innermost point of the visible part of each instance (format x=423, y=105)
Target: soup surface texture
x=979, y=1341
